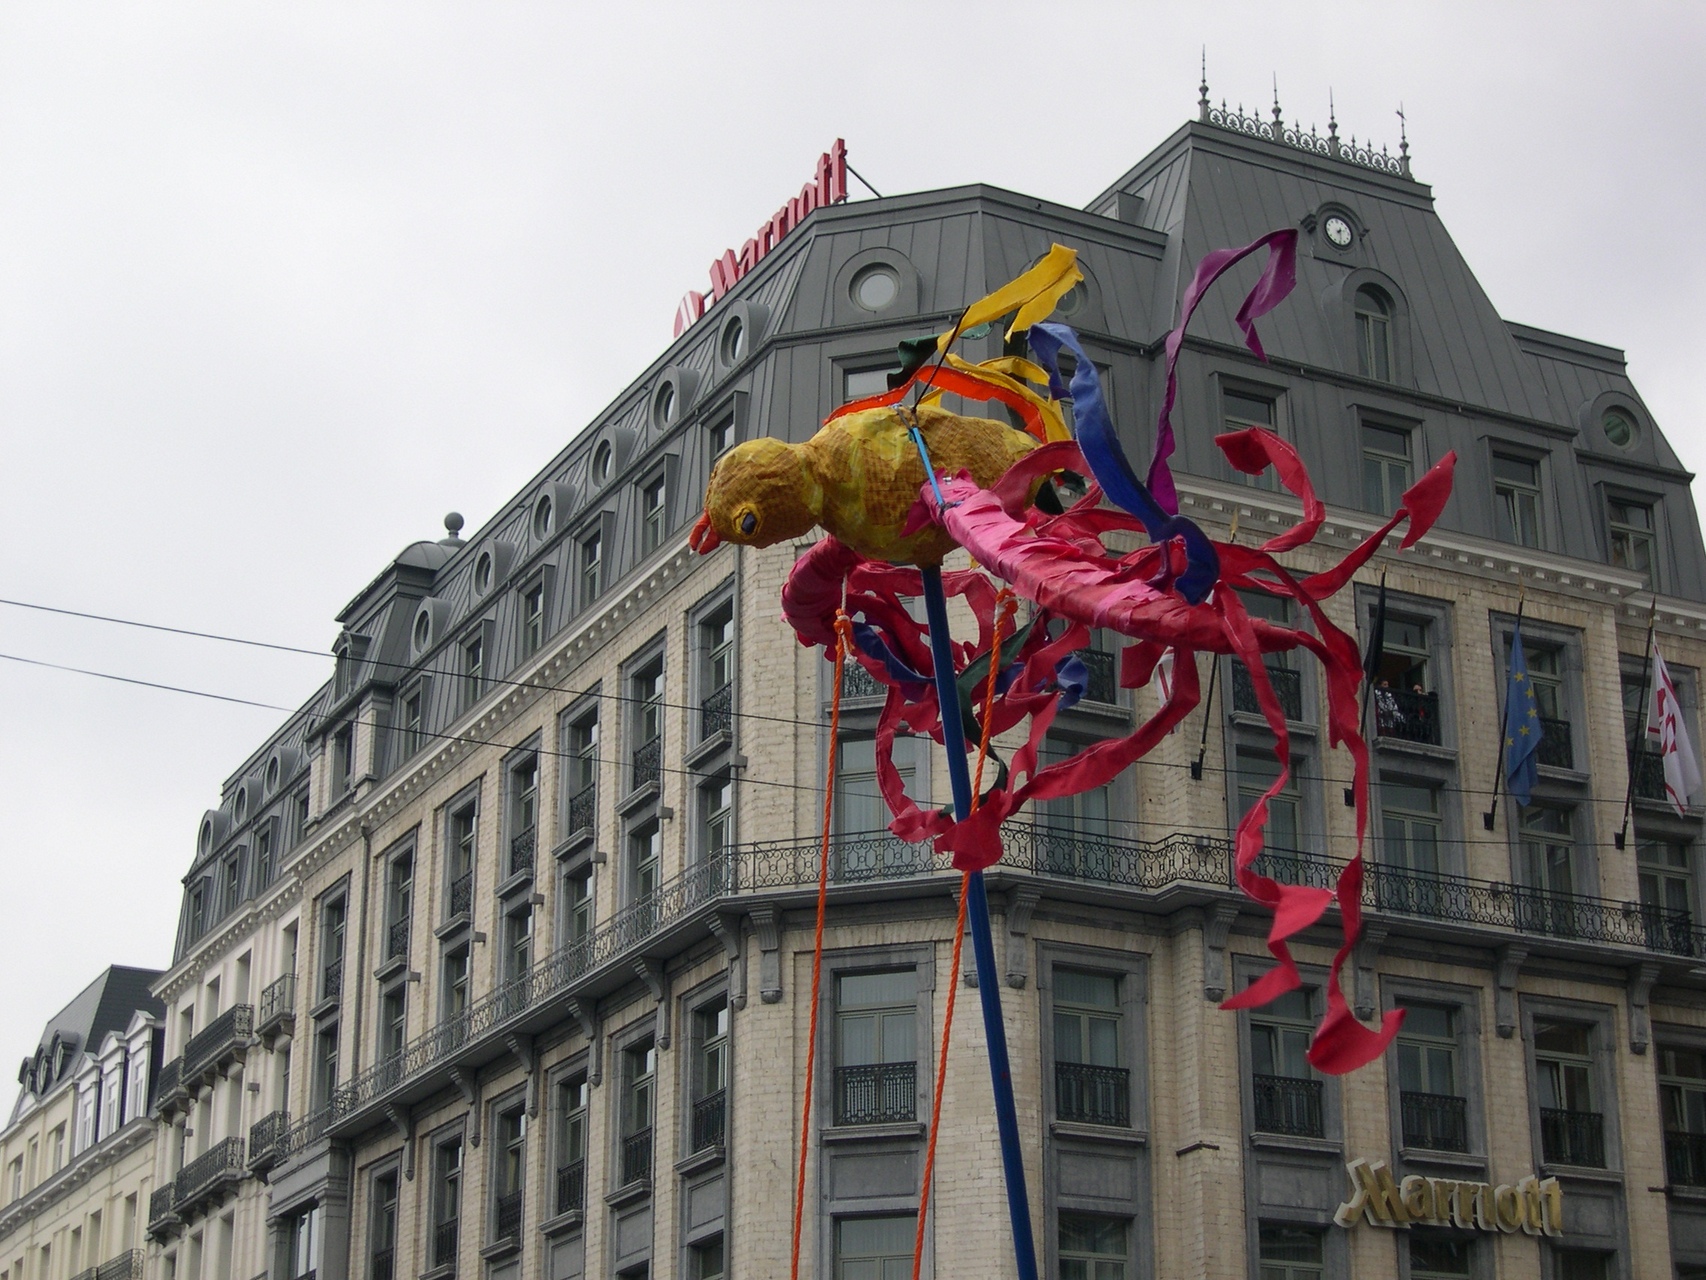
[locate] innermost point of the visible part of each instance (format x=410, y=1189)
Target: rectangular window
x=393, y=1023
x=1437, y=1255
x=410, y=738
x=473, y=670
x=719, y=436
x=532, y=619
x=1410, y=827
x=1572, y=1129
x=645, y=688
x=654, y=512
x=518, y=944
x=1092, y=1247
x=580, y=748
x=866, y=850
x=1077, y=827
x=591, y=568
x=523, y=814
x=303, y=1242
x=1386, y=467
x=710, y=1075
x=876, y=1051
x=1405, y=703
x=446, y=1201
x=399, y=904
x=1630, y=525
x=875, y=1248
x=1516, y=499
x=639, y=1083
x=1256, y=773
x=1291, y=1253
x=577, y=895
x=1682, y=1103
x=510, y=1175
x=1246, y=409
x=325, y=1063
x=334, y=920
x=856, y=384
x=1435, y=1115
x=717, y=672
x=383, y=1248
x=1666, y=876
x=343, y=757
x=1581, y=1264
x=716, y=818
x=705, y=1260
x=645, y=872
x=459, y=860
x=1091, y=1083
x=455, y=982
x=1548, y=861
x=571, y=1144
x=1286, y=1091
x=263, y=854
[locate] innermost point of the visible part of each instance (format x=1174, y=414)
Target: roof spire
x=1332, y=124
x=1202, y=102
x=1403, y=142
x=1277, y=124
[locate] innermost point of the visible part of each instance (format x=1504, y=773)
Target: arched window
x=1374, y=334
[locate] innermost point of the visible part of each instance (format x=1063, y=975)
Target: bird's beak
x=704, y=538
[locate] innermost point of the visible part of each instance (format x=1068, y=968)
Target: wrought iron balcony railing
x=462, y=894
x=219, y=1041
x=1289, y=1105
x=1556, y=748
x=1649, y=775
x=1685, y=1159
x=648, y=764
x=267, y=1139
x=332, y=980
x=1102, y=685
x=507, y=1217
x=278, y=1002
x=1288, y=689
x=397, y=939
x=858, y=683
x=209, y=1173
x=444, y=1240
x=1407, y=715
x=709, y=1114
x=163, y=1210
x=169, y=1088
x=636, y=1157
x=583, y=809
x=521, y=847
x=1434, y=1121
x=1572, y=1137
x=717, y=713
x=1090, y=1094
x=876, y=1093
x=126, y=1266
x=383, y=1265
x=571, y=1187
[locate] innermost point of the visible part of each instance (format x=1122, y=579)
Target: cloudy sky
x=282, y=284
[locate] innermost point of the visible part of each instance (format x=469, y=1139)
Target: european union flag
x=1522, y=725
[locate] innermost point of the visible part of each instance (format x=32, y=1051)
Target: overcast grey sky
x=280, y=285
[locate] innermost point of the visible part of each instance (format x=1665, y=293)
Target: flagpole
x=1491, y=816
x=1634, y=749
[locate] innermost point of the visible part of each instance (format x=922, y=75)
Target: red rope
x=1005, y=608
x=843, y=630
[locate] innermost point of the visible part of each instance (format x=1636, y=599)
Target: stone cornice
x=83, y=1166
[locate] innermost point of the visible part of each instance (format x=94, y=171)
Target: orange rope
x=1005, y=606
x=843, y=630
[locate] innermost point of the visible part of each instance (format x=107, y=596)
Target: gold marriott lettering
x=1534, y=1205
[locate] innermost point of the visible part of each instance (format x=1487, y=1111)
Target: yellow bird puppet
x=858, y=477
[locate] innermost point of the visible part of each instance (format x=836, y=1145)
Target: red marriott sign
x=829, y=186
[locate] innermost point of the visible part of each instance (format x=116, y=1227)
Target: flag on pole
x=1666, y=730
x=1522, y=725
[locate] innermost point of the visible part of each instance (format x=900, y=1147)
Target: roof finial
x=1332, y=122
x=1403, y=143
x=1276, y=107
x=1202, y=102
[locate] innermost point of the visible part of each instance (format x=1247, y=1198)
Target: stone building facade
x=77, y=1155
x=496, y=959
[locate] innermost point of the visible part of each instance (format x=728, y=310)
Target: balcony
x=1650, y=776
x=717, y=713
x=383, y=1265
x=709, y=1114
x=209, y=1175
x=1099, y=667
x=648, y=765
x=1434, y=1121
x=1288, y=689
x=1407, y=716
x=444, y=1240
x=1572, y=1137
x=583, y=810
x=571, y=1187
x=637, y=1158
x=521, y=849
x=332, y=981
x=462, y=895
x=1685, y=1159
x=1288, y=1104
x=127, y=1266
x=218, y=1044
x=876, y=1093
x=169, y=1091
x=1556, y=749
x=397, y=940
x=267, y=1139
x=507, y=1218
x=163, y=1211
x=1086, y=1094
x=276, y=1014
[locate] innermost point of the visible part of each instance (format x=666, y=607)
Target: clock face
x=1338, y=231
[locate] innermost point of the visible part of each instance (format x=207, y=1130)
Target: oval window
x=664, y=405
x=1619, y=428
x=1072, y=302
x=242, y=806
x=601, y=462
x=423, y=630
x=483, y=573
x=272, y=774
x=542, y=516
x=876, y=288
x=734, y=341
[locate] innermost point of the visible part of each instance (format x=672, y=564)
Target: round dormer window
x=664, y=405
x=206, y=836
x=734, y=341
x=543, y=510
x=272, y=774
x=1071, y=303
x=240, y=809
x=1619, y=428
x=423, y=630
x=876, y=287
x=483, y=573
x=601, y=462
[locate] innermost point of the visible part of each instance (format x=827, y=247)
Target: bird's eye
x=748, y=524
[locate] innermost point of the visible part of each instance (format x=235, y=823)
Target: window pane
x=1248, y=408
x=1097, y=990
x=877, y=990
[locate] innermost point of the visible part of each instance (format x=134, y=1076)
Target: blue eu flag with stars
x=1522, y=726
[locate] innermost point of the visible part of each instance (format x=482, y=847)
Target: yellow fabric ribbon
x=1034, y=295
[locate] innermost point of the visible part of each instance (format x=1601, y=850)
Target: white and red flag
x=1666, y=731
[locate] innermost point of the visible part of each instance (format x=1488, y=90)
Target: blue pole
x=983, y=946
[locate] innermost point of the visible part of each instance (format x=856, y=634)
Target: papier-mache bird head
x=761, y=493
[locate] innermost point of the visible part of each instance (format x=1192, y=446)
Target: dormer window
x=1374, y=334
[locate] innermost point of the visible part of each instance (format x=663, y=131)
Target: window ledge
x=1442, y=1159
x=498, y=1250
x=638, y=799
x=451, y=927
x=1424, y=750
x=1688, y=1195
x=1254, y=720
x=699, y=1161
x=714, y=745
x=1296, y=1142
x=1582, y=1173
x=872, y=1132
x=563, y=1223
x=327, y=1005
x=440, y=1273
x=1101, y=710
x=1577, y=777
x=629, y=1194
x=517, y=883
x=572, y=843
x=1099, y=1132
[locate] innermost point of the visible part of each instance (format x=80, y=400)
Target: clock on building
x=1338, y=231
